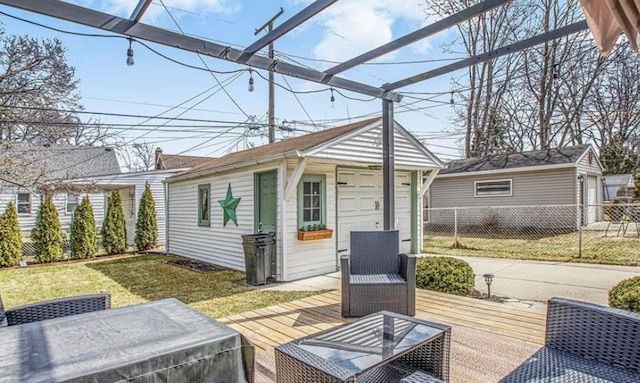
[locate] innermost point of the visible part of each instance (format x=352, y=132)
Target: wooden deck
x=489, y=339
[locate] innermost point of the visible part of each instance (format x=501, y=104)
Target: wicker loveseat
x=376, y=277
x=584, y=343
x=54, y=309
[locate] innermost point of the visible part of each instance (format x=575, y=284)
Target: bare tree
x=138, y=157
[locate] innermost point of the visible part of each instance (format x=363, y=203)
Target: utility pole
x=272, y=90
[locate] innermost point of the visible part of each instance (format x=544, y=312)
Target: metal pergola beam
x=418, y=35
x=284, y=28
x=502, y=51
x=141, y=8
x=118, y=25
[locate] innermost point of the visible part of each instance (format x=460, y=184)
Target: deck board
x=488, y=338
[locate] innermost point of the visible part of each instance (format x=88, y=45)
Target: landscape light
x=488, y=278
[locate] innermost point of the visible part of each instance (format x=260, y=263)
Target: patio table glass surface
x=366, y=343
x=163, y=341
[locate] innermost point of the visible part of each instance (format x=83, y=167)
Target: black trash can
x=258, y=250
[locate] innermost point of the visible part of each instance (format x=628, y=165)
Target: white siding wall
x=589, y=169
x=216, y=244
x=27, y=221
x=307, y=258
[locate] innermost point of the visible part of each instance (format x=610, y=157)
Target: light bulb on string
x=130, y=61
x=250, y=80
x=452, y=101
x=333, y=99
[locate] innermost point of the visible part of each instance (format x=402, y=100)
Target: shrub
x=84, y=235
x=445, y=274
x=10, y=237
x=147, y=224
x=47, y=234
x=626, y=295
x=114, y=230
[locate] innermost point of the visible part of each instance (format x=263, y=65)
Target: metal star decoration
x=229, y=205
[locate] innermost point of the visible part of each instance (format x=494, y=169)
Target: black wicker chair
x=53, y=309
x=585, y=343
x=376, y=277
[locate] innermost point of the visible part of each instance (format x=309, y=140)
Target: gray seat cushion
x=375, y=278
x=553, y=366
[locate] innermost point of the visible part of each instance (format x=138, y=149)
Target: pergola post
x=388, y=166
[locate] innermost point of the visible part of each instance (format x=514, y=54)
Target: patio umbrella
x=608, y=18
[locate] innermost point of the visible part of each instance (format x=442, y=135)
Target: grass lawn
x=559, y=248
x=137, y=279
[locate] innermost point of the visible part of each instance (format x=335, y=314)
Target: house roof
x=178, y=161
x=280, y=148
x=61, y=161
x=619, y=179
x=556, y=156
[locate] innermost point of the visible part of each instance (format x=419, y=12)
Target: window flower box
x=314, y=234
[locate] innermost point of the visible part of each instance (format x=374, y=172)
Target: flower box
x=315, y=234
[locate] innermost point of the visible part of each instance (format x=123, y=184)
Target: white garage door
x=360, y=205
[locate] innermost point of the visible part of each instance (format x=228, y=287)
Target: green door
x=267, y=202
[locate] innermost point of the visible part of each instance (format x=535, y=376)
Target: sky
x=216, y=121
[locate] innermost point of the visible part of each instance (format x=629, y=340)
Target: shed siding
x=367, y=147
x=589, y=169
x=216, y=244
x=308, y=258
x=551, y=187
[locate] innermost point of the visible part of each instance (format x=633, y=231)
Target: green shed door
x=267, y=199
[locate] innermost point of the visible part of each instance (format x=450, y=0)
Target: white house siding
x=28, y=221
x=308, y=258
x=215, y=244
x=589, y=171
x=546, y=187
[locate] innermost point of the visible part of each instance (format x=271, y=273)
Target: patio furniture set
x=80, y=339
x=623, y=216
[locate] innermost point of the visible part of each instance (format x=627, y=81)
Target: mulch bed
x=199, y=266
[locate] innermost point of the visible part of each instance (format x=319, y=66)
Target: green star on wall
x=229, y=205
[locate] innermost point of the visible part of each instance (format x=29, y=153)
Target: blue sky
x=154, y=84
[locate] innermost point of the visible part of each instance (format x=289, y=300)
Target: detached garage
x=326, y=180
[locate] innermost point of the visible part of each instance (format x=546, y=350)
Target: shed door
x=592, y=185
x=360, y=205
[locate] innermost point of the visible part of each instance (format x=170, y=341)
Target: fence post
x=455, y=227
x=580, y=232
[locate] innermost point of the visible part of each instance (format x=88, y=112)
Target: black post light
x=488, y=278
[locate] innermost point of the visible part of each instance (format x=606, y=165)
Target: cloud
x=353, y=27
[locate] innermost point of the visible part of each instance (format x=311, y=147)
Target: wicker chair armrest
x=58, y=308
x=594, y=332
x=408, y=267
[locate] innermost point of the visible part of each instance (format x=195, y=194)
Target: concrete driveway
x=539, y=281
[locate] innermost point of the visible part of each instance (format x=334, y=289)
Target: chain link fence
x=593, y=233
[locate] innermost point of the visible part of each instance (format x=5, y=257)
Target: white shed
x=331, y=178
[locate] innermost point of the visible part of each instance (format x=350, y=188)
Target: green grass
x=138, y=279
x=596, y=248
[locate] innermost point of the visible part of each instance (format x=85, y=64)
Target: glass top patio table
x=352, y=349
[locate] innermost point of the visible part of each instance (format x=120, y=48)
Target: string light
x=333, y=99
x=250, y=80
x=556, y=74
x=451, y=101
x=130, y=53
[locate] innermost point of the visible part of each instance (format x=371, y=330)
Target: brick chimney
x=159, y=164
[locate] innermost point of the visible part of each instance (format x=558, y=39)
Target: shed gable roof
x=177, y=161
x=312, y=144
x=535, y=158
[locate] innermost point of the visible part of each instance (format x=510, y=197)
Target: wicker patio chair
x=584, y=343
x=54, y=309
x=376, y=277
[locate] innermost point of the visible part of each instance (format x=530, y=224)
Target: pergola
x=388, y=93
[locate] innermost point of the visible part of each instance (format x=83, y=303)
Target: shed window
x=72, y=203
x=23, y=203
x=204, y=204
x=312, y=200
x=493, y=188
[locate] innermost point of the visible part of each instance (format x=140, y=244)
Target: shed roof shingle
x=177, y=161
x=555, y=156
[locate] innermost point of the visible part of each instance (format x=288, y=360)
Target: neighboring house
x=331, y=178
x=618, y=186
x=132, y=185
x=53, y=164
x=559, y=176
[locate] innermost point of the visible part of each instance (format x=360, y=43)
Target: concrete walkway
x=523, y=280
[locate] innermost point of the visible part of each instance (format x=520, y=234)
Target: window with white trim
x=72, y=203
x=23, y=203
x=493, y=188
x=312, y=200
